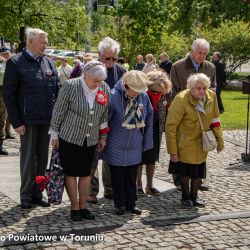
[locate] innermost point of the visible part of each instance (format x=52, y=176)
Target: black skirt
x=184, y=169
x=76, y=160
x=149, y=157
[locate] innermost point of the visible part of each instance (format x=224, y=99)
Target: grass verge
x=235, y=105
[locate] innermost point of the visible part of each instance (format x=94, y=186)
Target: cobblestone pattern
x=229, y=192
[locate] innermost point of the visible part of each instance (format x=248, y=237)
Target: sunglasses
x=111, y=58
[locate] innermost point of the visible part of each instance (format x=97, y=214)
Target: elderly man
x=193, y=63
x=166, y=64
x=140, y=64
x=30, y=90
x=108, y=50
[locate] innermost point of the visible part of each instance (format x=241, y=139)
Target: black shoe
x=119, y=210
x=187, y=203
x=3, y=151
x=198, y=203
x=140, y=191
x=75, y=215
x=134, y=210
x=203, y=187
x=86, y=214
x=9, y=137
x=26, y=204
x=109, y=196
x=40, y=202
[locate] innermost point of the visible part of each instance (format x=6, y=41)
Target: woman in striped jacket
x=78, y=126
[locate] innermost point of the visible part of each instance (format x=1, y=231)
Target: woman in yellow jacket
x=184, y=136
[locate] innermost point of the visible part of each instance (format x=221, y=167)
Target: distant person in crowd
x=184, y=135
x=140, y=64
x=220, y=78
x=77, y=70
x=193, y=63
x=151, y=64
x=108, y=50
x=166, y=64
x=3, y=113
x=5, y=53
x=124, y=64
x=65, y=71
x=79, y=127
x=158, y=87
x=88, y=58
x=30, y=89
x=130, y=122
x=81, y=58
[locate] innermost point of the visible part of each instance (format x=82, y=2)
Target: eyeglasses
x=111, y=58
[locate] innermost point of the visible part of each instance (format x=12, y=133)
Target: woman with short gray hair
x=78, y=127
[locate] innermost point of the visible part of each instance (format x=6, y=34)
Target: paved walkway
x=223, y=224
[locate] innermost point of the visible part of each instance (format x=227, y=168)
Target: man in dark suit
x=166, y=64
x=220, y=78
x=30, y=88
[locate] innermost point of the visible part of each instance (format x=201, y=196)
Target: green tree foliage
x=140, y=24
x=64, y=21
x=232, y=39
x=207, y=13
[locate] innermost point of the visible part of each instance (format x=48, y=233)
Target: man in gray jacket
x=193, y=63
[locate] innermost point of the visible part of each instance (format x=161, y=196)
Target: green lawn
x=235, y=105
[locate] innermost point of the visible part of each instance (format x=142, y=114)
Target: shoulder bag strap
x=65, y=73
x=202, y=128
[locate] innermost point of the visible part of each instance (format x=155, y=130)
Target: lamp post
x=88, y=12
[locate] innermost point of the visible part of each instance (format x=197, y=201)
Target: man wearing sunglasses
x=108, y=50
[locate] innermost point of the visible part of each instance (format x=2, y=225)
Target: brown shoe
x=92, y=199
x=203, y=187
x=152, y=191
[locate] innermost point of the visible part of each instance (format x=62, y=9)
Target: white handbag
x=209, y=142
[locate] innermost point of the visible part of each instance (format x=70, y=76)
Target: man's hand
x=174, y=157
x=55, y=143
x=101, y=144
x=21, y=130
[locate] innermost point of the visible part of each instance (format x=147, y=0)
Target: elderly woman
x=78, y=127
x=150, y=64
x=130, y=122
x=77, y=70
x=184, y=136
x=158, y=88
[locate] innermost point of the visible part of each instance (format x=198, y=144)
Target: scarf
x=133, y=116
x=154, y=98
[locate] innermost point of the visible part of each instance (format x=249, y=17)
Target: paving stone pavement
x=223, y=224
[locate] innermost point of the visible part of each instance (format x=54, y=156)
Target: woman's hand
x=101, y=145
x=55, y=143
x=219, y=150
x=174, y=157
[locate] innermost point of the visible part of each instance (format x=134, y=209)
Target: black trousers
x=33, y=159
x=218, y=93
x=123, y=181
